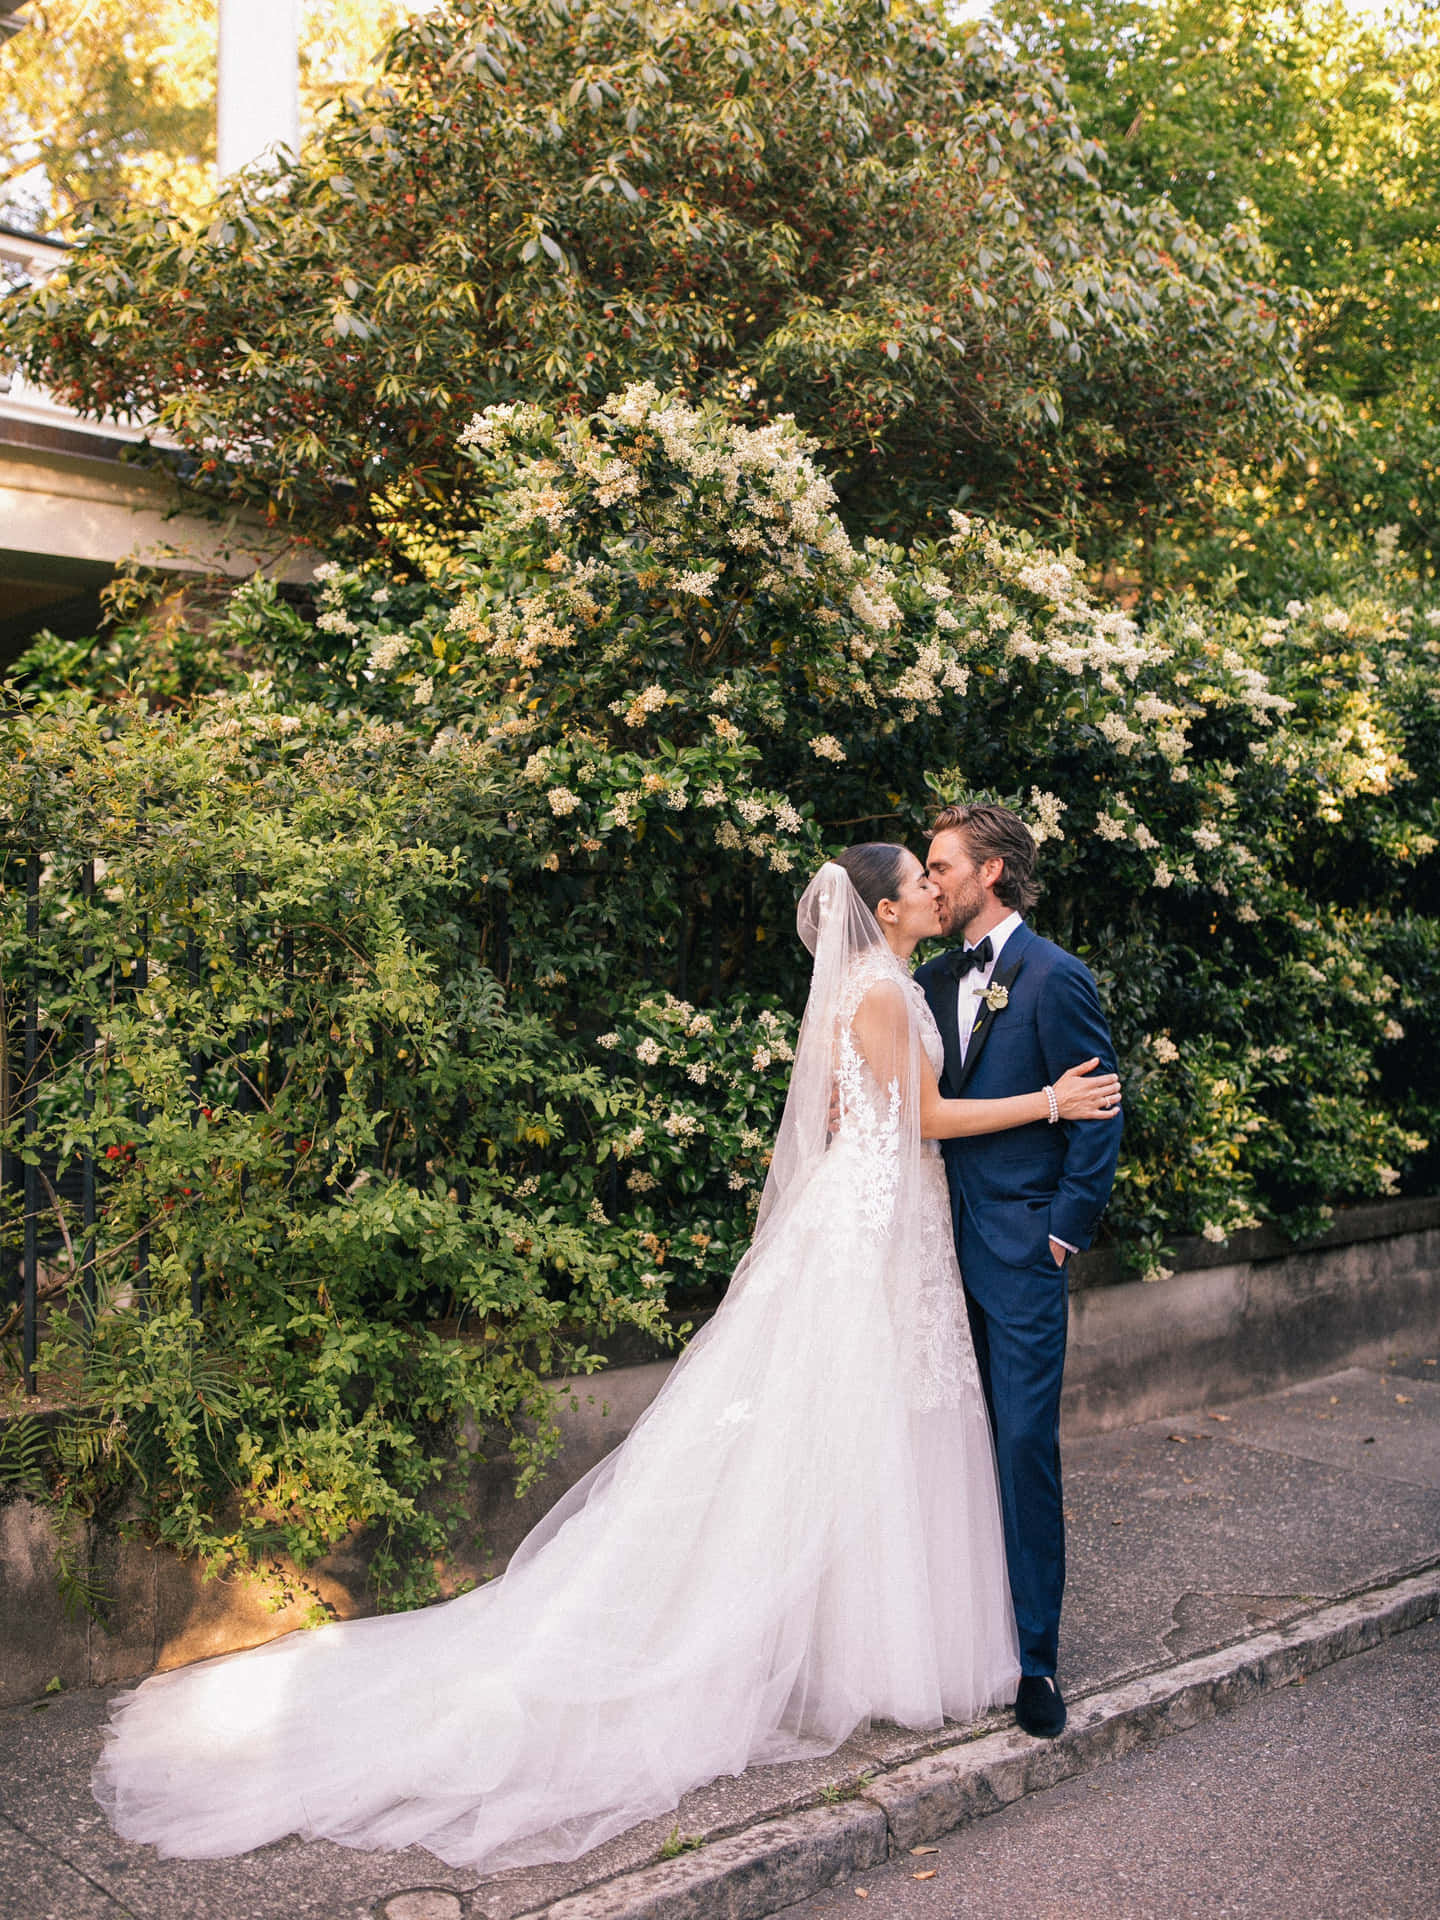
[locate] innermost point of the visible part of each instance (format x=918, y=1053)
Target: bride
x=802, y=1533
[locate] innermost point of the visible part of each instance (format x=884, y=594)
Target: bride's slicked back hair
x=876, y=869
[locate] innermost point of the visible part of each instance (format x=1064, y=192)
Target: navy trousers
x=1019, y=1317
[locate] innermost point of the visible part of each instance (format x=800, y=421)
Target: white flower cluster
x=1048, y=580
x=492, y=428
x=390, y=648
x=562, y=801
x=826, y=747
x=1119, y=733
x=872, y=605
x=765, y=470
x=614, y=480
x=333, y=617
x=545, y=503
x=931, y=670
x=1047, y=809
x=651, y=700
x=1151, y=708
x=699, y=581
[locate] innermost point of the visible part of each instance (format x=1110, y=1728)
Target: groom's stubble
x=965, y=901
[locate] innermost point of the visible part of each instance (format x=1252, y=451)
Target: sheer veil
x=857, y=1071
x=839, y=931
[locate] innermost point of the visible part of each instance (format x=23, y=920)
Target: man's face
x=958, y=880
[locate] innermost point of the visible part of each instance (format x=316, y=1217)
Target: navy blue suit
x=1009, y=1194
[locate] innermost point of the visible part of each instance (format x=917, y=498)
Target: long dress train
x=801, y=1534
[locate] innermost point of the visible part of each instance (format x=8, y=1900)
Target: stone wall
x=1256, y=1314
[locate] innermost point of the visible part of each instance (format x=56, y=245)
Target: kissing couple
x=843, y=1505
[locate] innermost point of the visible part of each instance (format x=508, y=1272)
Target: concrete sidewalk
x=1212, y=1555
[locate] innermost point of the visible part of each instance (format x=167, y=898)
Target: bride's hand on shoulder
x=1084, y=1094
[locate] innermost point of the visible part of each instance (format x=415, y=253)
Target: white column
x=259, y=80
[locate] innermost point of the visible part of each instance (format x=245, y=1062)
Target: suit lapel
x=1011, y=961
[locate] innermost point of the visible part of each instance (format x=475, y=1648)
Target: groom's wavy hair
x=875, y=868
x=995, y=833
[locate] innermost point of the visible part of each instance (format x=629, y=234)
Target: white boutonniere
x=997, y=997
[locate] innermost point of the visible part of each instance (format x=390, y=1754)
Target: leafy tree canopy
x=861, y=214
x=103, y=102
x=1320, y=121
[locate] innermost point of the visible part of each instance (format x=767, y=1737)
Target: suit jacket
x=1019, y=1188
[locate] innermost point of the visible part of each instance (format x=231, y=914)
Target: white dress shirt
x=972, y=992
x=972, y=987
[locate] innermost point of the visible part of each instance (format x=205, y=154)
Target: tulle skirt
x=793, y=1541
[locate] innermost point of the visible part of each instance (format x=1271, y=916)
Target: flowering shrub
x=697, y=684
x=537, y=828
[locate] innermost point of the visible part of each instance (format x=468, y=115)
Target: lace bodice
x=880, y=965
x=870, y=1113
x=871, y=1161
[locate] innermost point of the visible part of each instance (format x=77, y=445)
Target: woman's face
x=913, y=914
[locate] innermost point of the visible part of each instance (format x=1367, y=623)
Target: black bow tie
x=971, y=958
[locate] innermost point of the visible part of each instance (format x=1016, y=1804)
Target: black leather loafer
x=1040, y=1707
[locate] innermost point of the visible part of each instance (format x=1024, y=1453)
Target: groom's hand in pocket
x=1059, y=1252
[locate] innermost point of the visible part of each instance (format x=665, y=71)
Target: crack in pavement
x=42, y=1846
x=1196, y=1609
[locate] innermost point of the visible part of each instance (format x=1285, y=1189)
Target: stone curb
x=745, y=1877
x=775, y=1863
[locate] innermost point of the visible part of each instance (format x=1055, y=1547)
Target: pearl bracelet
x=1054, y=1105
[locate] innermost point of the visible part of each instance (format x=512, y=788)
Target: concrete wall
x=1233, y=1320
x=1254, y=1315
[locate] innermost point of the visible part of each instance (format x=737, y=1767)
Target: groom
x=1014, y=1012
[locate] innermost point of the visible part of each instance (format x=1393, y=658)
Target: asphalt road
x=1320, y=1801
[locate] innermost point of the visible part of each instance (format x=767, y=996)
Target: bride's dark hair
x=876, y=868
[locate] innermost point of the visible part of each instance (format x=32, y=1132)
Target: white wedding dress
x=802, y=1534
